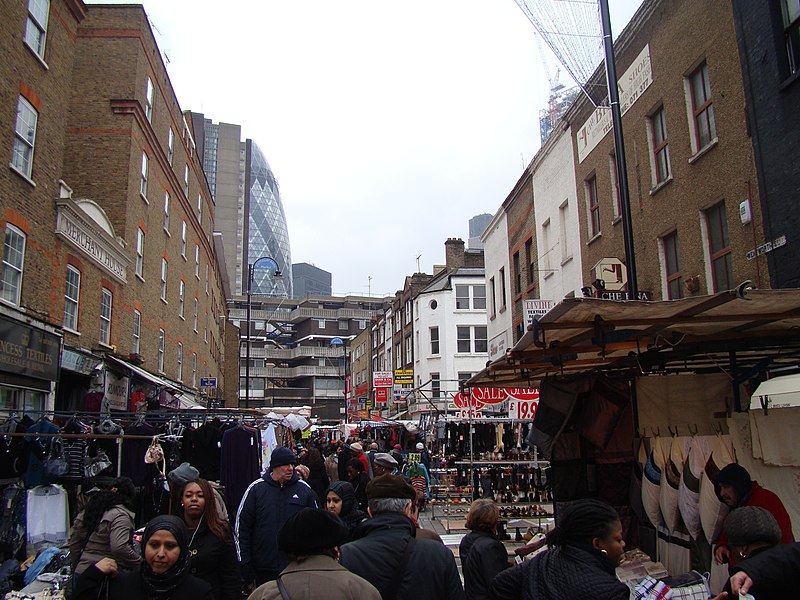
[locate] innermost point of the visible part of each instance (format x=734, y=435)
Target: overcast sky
x=387, y=125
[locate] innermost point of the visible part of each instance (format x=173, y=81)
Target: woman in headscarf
x=584, y=549
x=210, y=541
x=482, y=555
x=104, y=529
x=341, y=500
x=163, y=574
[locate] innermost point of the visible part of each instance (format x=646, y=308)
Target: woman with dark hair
x=162, y=575
x=210, y=541
x=104, y=529
x=359, y=480
x=341, y=500
x=482, y=555
x=584, y=549
x=317, y=476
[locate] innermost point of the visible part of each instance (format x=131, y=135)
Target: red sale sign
x=480, y=397
x=381, y=395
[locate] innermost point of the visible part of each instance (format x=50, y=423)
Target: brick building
x=689, y=158
x=107, y=217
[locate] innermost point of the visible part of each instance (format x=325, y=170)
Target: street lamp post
x=265, y=263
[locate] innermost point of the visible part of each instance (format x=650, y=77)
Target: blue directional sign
x=208, y=382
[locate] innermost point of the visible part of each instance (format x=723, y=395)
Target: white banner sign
x=522, y=409
x=536, y=309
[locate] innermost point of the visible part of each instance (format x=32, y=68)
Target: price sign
x=522, y=409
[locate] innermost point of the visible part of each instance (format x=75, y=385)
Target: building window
x=344, y=325
x=197, y=262
x=143, y=182
x=470, y=296
x=563, y=240
x=160, y=350
x=408, y=349
x=479, y=297
x=503, y=288
x=181, y=297
x=466, y=334
x=183, y=239
x=705, y=127
x=434, y=340
x=164, y=279
x=137, y=331
x=672, y=266
x=106, y=300
x=194, y=369
x=662, y=169
x=616, y=197
x=200, y=209
x=166, y=212
x=148, y=101
x=462, y=297
x=481, y=342
x=170, y=146
x=13, y=261
x=464, y=338
x=186, y=181
x=517, y=273
x=72, y=291
x=790, y=12
x=196, y=306
x=493, y=289
x=546, y=248
x=139, y=252
x=362, y=324
x=719, y=248
x=24, y=137
x=436, y=386
x=180, y=361
x=529, y=267
x=593, y=206
x=36, y=26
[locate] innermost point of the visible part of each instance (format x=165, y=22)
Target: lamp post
x=265, y=263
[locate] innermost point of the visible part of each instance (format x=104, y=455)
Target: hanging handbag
x=154, y=452
x=55, y=465
x=95, y=465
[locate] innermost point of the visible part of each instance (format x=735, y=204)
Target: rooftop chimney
x=454, y=253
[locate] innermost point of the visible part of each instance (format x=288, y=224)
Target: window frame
x=196, y=313
x=166, y=212
x=517, y=272
x=136, y=331
x=160, y=350
x=144, y=176
x=436, y=385
x=660, y=146
x=14, y=233
x=149, y=96
x=672, y=269
x=435, y=342
x=186, y=181
x=705, y=110
x=181, y=298
x=69, y=300
x=35, y=21
x=24, y=147
x=170, y=146
x=139, y=263
x=460, y=339
x=722, y=254
x=592, y=206
x=184, y=232
x=164, y=272
x=106, y=313
x=179, y=371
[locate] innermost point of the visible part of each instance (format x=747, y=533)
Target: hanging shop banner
x=381, y=395
x=479, y=397
x=536, y=309
x=28, y=351
x=382, y=379
x=116, y=391
x=522, y=409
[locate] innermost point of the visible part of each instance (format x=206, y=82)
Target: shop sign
x=631, y=86
x=498, y=345
x=382, y=379
x=381, y=395
x=404, y=376
x=469, y=414
x=647, y=296
x=536, y=309
x=80, y=363
x=480, y=397
x=522, y=409
x=116, y=391
x=28, y=351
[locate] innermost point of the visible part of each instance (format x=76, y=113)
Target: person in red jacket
x=358, y=452
x=735, y=488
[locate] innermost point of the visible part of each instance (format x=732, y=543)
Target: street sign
x=208, y=382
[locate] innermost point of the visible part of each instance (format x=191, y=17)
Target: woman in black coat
x=164, y=572
x=482, y=555
x=584, y=550
x=317, y=475
x=359, y=480
x=210, y=541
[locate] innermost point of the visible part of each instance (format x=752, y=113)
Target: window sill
x=5, y=302
x=143, y=197
x=567, y=260
x=167, y=232
x=139, y=277
x=36, y=55
x=660, y=186
x=181, y=317
x=21, y=174
x=502, y=310
x=616, y=220
x=72, y=331
x=183, y=256
x=697, y=155
x=108, y=346
x=164, y=300
x=596, y=237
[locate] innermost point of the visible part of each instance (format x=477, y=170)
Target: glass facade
x=268, y=234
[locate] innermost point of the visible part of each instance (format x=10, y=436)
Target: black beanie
x=310, y=531
x=736, y=476
x=281, y=457
x=752, y=525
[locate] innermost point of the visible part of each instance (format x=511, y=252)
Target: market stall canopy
x=741, y=330
x=780, y=392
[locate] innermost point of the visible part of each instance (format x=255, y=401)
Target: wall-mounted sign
x=381, y=395
x=498, y=345
x=116, y=391
x=28, y=351
x=536, y=309
x=404, y=376
x=208, y=382
x=382, y=379
x=612, y=272
x=624, y=296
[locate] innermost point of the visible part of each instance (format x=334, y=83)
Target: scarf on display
x=161, y=585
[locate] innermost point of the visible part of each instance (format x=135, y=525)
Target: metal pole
x=619, y=151
x=247, y=359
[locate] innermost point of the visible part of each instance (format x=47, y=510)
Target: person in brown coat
x=311, y=540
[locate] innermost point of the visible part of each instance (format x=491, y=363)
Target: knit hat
x=385, y=460
x=736, y=476
x=373, y=446
x=356, y=446
x=183, y=474
x=398, y=447
x=281, y=457
x=390, y=486
x=310, y=531
x=752, y=525
x=420, y=446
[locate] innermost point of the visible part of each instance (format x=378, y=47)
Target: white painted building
x=556, y=213
x=495, y=247
x=450, y=335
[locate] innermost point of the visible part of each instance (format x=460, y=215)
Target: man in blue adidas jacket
x=266, y=506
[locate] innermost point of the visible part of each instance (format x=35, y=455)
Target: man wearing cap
x=384, y=464
x=424, y=456
x=397, y=454
x=735, y=488
x=390, y=556
x=266, y=506
x=311, y=540
x=358, y=452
